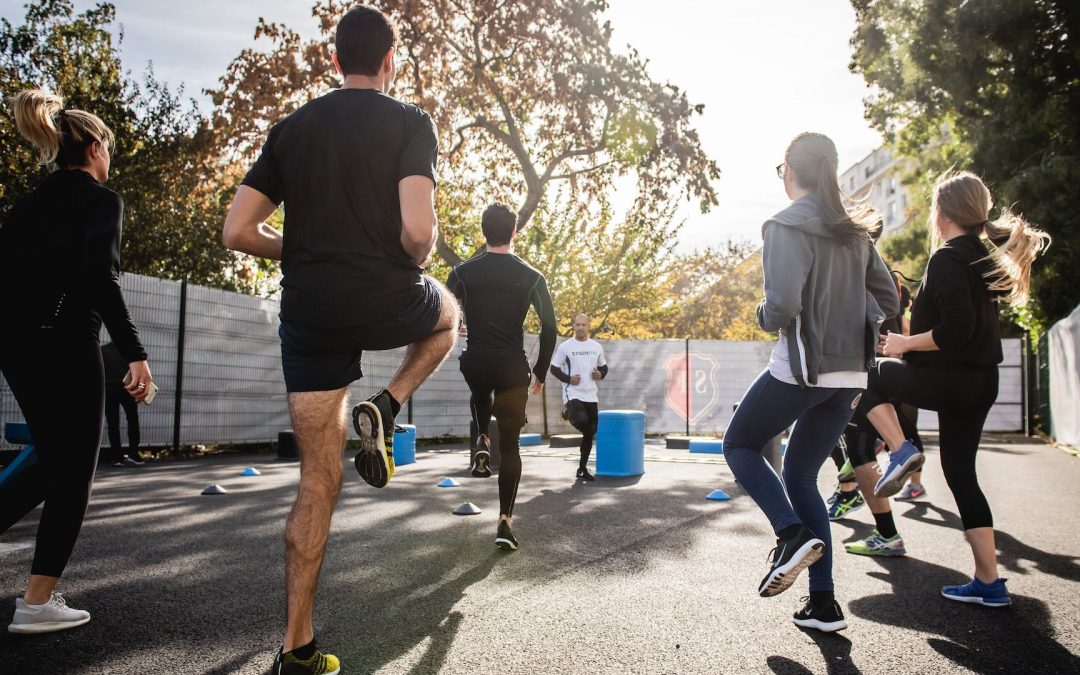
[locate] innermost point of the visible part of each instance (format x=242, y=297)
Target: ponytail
x=35, y=112
x=964, y=199
x=1016, y=245
x=814, y=160
x=60, y=136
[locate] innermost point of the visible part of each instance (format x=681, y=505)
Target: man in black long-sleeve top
x=496, y=289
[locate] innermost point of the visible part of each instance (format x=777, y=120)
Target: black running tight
x=584, y=416
x=962, y=399
x=59, y=383
x=499, y=382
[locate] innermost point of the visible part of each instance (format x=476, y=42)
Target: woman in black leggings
x=950, y=360
x=59, y=279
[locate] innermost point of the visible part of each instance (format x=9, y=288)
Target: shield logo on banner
x=704, y=391
x=675, y=389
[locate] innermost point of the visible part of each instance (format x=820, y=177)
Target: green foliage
x=164, y=163
x=993, y=87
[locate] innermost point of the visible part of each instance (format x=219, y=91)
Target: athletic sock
x=885, y=525
x=788, y=532
x=304, y=653
x=395, y=407
x=819, y=598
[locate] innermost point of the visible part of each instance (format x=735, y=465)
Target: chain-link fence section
x=229, y=389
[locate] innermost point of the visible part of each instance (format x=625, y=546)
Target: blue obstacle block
x=620, y=443
x=718, y=495
x=707, y=445
x=448, y=482
x=251, y=471
x=405, y=445
x=530, y=439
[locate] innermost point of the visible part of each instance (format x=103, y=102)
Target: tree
x=713, y=294
x=164, y=163
x=526, y=96
x=1002, y=76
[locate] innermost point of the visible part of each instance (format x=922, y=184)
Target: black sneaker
x=790, y=557
x=319, y=664
x=826, y=617
x=504, y=537
x=583, y=474
x=482, y=458
x=374, y=423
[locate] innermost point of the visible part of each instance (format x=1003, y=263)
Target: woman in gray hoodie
x=826, y=292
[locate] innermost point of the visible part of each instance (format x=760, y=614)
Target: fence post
x=543, y=405
x=410, y=410
x=687, y=386
x=1025, y=381
x=179, y=397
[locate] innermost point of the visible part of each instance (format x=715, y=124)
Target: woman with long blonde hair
x=59, y=280
x=949, y=362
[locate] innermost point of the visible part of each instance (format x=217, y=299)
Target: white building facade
x=877, y=177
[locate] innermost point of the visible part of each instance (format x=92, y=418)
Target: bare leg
x=983, y=548
x=424, y=357
x=884, y=419
x=39, y=589
x=868, y=477
x=318, y=420
x=916, y=478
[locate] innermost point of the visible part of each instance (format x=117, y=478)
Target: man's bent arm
x=245, y=228
x=419, y=229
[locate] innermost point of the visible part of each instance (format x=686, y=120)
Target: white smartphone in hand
x=150, y=396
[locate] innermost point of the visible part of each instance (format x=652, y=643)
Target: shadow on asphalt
x=980, y=639
x=835, y=649
x=194, y=584
x=1011, y=551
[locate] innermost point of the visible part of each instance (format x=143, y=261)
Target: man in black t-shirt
x=355, y=169
x=496, y=289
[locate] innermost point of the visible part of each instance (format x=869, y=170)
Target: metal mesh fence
x=232, y=389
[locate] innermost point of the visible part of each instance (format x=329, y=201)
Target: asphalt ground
x=638, y=575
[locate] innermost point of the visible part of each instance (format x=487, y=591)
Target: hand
x=575, y=379
x=881, y=345
x=537, y=387
x=596, y=374
x=139, y=387
x=462, y=330
x=895, y=345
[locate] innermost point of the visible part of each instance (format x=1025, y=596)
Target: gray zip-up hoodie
x=826, y=299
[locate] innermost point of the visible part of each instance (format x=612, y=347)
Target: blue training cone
x=214, y=489
x=718, y=495
x=251, y=471
x=467, y=509
x=448, y=482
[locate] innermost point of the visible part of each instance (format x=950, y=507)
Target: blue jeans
x=820, y=414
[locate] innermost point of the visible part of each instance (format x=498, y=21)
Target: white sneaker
x=54, y=615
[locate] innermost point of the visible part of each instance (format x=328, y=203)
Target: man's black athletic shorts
x=314, y=359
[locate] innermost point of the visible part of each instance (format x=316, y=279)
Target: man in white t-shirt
x=579, y=364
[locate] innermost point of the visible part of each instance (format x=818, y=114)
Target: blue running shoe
x=902, y=463
x=978, y=593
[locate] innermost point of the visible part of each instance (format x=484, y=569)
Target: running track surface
x=619, y=576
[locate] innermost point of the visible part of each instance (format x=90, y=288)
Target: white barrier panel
x=233, y=390
x=1064, y=339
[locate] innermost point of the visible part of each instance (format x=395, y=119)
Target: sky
x=765, y=70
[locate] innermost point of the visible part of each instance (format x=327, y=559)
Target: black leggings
x=862, y=438
x=499, y=382
x=962, y=399
x=584, y=417
x=59, y=383
x=115, y=399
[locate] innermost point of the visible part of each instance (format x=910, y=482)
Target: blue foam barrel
x=405, y=445
x=620, y=443
x=17, y=433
